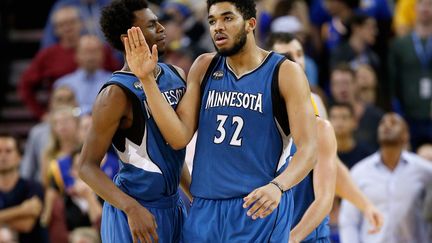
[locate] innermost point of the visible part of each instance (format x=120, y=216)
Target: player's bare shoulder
x=200, y=66
x=112, y=101
x=291, y=77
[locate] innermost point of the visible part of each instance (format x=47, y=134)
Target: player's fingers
x=249, y=199
x=269, y=210
x=141, y=37
x=126, y=45
x=262, y=209
x=134, y=237
x=154, y=235
x=130, y=39
x=154, y=52
x=145, y=237
x=257, y=205
x=135, y=36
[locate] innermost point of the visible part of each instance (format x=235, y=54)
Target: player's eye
x=211, y=22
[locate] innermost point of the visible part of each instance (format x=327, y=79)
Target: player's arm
x=324, y=181
x=177, y=127
x=110, y=107
x=185, y=181
x=294, y=89
x=348, y=190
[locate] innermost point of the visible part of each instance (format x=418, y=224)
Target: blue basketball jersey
x=150, y=168
x=240, y=137
x=304, y=196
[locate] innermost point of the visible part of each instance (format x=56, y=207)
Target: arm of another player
x=110, y=107
x=348, y=190
x=324, y=181
x=177, y=126
x=185, y=181
x=295, y=91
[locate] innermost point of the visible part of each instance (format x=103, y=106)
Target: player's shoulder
x=204, y=59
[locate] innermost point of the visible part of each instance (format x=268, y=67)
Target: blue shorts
x=226, y=221
x=169, y=212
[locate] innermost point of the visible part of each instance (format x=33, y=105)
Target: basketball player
x=313, y=196
x=142, y=205
x=252, y=101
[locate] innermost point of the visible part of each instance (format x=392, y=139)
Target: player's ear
x=251, y=24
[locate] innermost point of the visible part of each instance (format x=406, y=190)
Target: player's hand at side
x=140, y=59
x=263, y=201
x=142, y=224
x=375, y=219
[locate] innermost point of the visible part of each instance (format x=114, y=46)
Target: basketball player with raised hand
x=249, y=102
x=142, y=205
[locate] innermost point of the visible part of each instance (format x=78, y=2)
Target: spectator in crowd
x=84, y=235
x=20, y=199
x=89, y=13
x=394, y=179
x=366, y=80
x=7, y=235
x=88, y=79
x=39, y=135
x=356, y=50
x=349, y=150
x=410, y=74
x=52, y=62
x=344, y=90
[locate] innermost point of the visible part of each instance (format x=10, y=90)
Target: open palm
x=140, y=60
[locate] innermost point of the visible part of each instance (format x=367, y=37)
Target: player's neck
x=247, y=59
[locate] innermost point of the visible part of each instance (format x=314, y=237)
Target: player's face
x=9, y=155
x=392, y=130
x=153, y=31
x=294, y=49
x=227, y=28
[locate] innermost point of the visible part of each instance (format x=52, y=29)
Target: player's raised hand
x=263, y=201
x=142, y=224
x=140, y=59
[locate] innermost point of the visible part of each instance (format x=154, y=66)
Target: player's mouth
x=220, y=39
x=162, y=39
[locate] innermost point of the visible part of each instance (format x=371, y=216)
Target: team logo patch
x=218, y=75
x=138, y=85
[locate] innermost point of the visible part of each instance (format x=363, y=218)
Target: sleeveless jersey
x=150, y=168
x=242, y=131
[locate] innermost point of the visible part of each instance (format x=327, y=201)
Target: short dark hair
x=343, y=67
x=117, y=18
x=10, y=135
x=283, y=37
x=247, y=8
x=348, y=106
x=357, y=19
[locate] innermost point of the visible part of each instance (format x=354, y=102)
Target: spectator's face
x=90, y=53
x=85, y=123
x=294, y=49
x=342, y=120
x=65, y=125
x=67, y=24
x=153, y=31
x=62, y=96
x=9, y=155
x=366, y=84
x=369, y=31
x=392, y=130
x=333, y=6
x=227, y=28
x=424, y=11
x=342, y=86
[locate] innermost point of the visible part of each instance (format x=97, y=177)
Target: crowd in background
x=363, y=57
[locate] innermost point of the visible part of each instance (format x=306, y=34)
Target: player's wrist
x=278, y=185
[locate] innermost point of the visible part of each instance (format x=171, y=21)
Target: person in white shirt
x=394, y=180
